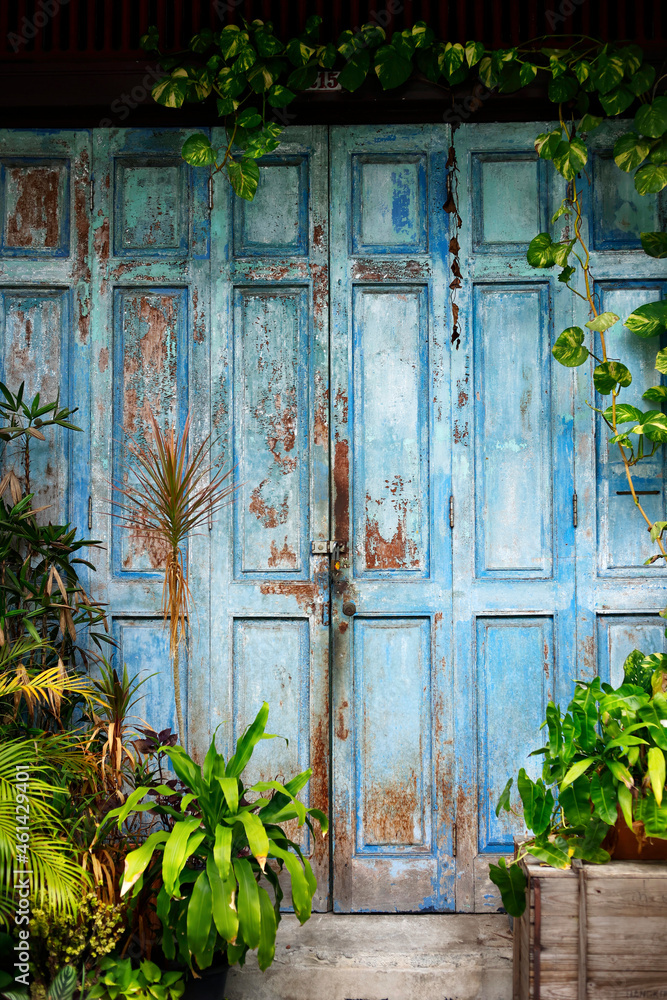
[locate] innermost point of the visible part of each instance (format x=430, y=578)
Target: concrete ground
x=371, y=957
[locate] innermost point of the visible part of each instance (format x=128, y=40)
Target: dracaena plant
x=215, y=867
x=173, y=491
x=604, y=756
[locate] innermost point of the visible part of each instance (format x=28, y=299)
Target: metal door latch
x=328, y=547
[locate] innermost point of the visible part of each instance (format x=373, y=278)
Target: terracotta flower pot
x=625, y=844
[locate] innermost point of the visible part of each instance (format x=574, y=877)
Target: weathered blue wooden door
x=391, y=626
x=466, y=597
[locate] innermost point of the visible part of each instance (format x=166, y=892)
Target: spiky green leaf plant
x=173, y=492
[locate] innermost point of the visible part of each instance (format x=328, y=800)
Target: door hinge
x=451, y=512
x=575, y=510
x=454, y=841
x=92, y=193
x=210, y=192
x=90, y=513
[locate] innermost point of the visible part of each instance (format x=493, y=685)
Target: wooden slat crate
x=595, y=932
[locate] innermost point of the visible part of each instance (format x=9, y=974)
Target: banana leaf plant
x=220, y=854
x=605, y=758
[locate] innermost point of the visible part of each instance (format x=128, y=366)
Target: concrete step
x=384, y=957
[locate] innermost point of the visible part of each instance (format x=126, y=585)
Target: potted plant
x=214, y=866
x=603, y=778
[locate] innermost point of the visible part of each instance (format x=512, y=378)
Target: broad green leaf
x=249, y=118
x=392, y=67
x=603, y=321
x=222, y=849
x=279, y=96
x=151, y=971
x=610, y=374
x=327, y=55
x=651, y=119
x=655, y=244
x=247, y=743
x=540, y=251
x=150, y=42
x=657, y=529
x=245, y=60
x=298, y=52
x=301, y=894
x=549, y=854
x=267, y=44
x=474, y=52
x=630, y=150
x=617, y=100
x=230, y=789
x=582, y=70
x=568, y=348
x=504, y=799
x=487, y=73
x=604, y=796
x=590, y=122
x=451, y=59
x=570, y=158
x=561, y=252
x=656, y=771
x=621, y=773
x=562, y=88
x=547, y=143
x=231, y=41
x=511, y=883
x=566, y=274
x=244, y=177
x=578, y=768
x=223, y=907
x=176, y=852
x=648, y=320
x=642, y=80
x=575, y=800
x=527, y=74
x=537, y=803
x=268, y=927
x=661, y=361
x=355, y=71
x=625, y=802
x=563, y=210
x=247, y=902
x=650, y=179
x=172, y=90
x=654, y=425
x=625, y=413
x=137, y=861
x=258, y=842
x=185, y=768
x=626, y=740
x=652, y=815
x=131, y=804
x=607, y=73
x=304, y=77
x=200, y=915
x=198, y=151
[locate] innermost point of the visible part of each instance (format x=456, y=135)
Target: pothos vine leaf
x=568, y=348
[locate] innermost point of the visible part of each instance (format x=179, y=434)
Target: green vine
x=253, y=76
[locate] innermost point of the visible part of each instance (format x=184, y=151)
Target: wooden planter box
x=595, y=932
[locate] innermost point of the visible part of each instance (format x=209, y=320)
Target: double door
x=372, y=388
